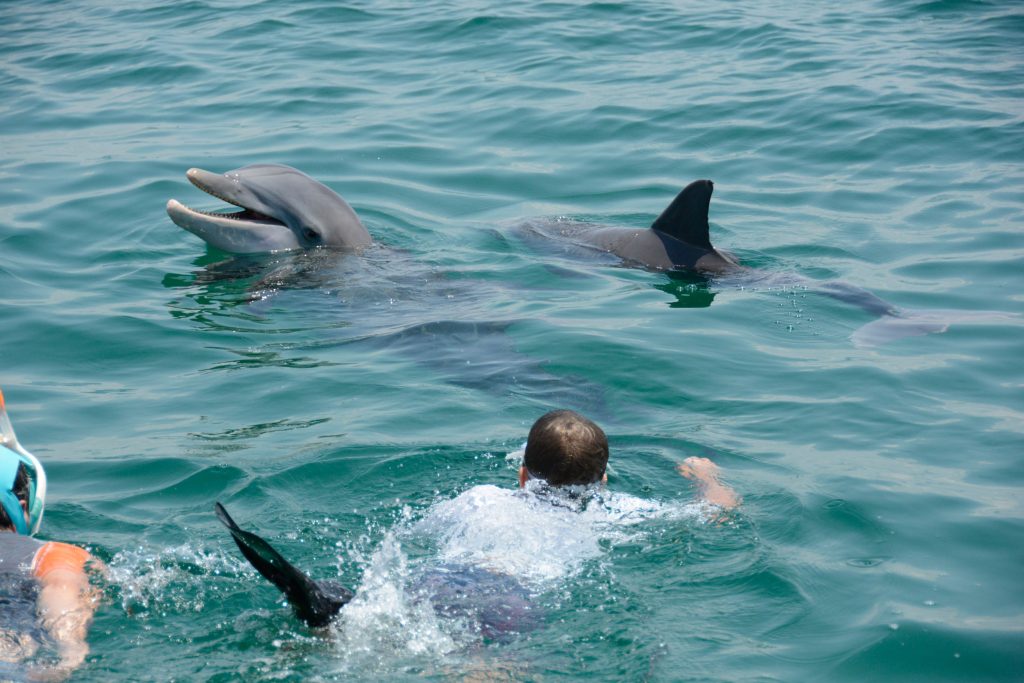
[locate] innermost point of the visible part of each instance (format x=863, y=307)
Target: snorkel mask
x=13, y=455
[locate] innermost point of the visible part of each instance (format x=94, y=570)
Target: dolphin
x=315, y=602
x=282, y=208
x=679, y=241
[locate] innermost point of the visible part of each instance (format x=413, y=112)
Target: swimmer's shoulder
x=54, y=556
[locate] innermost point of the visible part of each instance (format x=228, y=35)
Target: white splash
x=167, y=579
x=387, y=623
x=533, y=535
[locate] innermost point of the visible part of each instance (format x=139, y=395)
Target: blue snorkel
x=9, y=464
x=13, y=456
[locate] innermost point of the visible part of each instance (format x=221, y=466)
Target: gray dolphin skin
x=677, y=239
x=282, y=208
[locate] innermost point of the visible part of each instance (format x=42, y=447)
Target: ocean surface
x=336, y=403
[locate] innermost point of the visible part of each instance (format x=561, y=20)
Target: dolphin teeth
x=243, y=215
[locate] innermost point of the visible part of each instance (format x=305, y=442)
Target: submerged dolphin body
x=315, y=602
x=282, y=208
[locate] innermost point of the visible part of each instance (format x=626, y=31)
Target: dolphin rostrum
x=282, y=208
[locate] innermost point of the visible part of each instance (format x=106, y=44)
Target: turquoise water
x=331, y=402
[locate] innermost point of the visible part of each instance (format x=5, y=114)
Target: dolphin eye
x=311, y=234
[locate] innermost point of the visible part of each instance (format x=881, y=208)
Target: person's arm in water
x=66, y=601
x=704, y=474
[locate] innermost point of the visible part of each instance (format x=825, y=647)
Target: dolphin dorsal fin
x=686, y=218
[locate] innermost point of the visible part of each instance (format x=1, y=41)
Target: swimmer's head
x=22, y=481
x=565, y=449
x=15, y=490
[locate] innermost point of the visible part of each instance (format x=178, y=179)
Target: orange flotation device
x=54, y=556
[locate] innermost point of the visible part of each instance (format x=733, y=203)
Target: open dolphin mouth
x=253, y=228
x=210, y=183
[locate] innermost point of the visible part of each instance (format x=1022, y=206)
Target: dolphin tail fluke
x=893, y=323
x=686, y=218
x=314, y=603
x=904, y=322
x=891, y=327
x=898, y=323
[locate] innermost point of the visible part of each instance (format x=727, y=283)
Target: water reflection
x=689, y=289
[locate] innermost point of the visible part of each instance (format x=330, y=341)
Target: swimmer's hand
x=704, y=473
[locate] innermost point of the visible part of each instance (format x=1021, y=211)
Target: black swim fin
x=686, y=218
x=314, y=602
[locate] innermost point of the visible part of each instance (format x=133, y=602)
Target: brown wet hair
x=564, y=449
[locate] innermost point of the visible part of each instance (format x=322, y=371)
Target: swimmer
x=42, y=583
x=565, y=453
x=566, y=449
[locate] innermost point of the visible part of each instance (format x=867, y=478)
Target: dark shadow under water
x=335, y=303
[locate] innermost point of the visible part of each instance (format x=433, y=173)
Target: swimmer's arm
x=66, y=605
x=704, y=473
